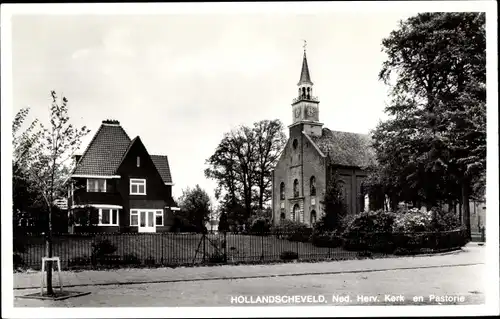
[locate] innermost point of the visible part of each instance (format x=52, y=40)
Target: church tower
x=305, y=107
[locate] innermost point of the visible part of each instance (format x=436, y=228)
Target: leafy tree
x=270, y=140
x=223, y=224
x=195, y=206
x=241, y=165
x=433, y=147
x=333, y=205
x=43, y=153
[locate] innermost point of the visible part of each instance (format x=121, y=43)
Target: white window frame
x=134, y=212
x=137, y=181
x=98, y=179
x=158, y=212
x=110, y=217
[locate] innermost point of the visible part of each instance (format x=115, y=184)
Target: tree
x=25, y=196
x=195, y=206
x=241, y=165
x=434, y=144
x=44, y=153
x=223, y=223
x=270, y=140
x=333, y=204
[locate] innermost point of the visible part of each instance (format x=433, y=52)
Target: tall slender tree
x=45, y=156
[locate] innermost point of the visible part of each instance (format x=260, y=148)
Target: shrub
x=289, y=255
x=131, y=259
x=402, y=251
x=293, y=231
x=150, y=261
x=260, y=226
x=100, y=250
x=412, y=221
x=217, y=258
x=369, y=231
x=18, y=261
x=79, y=261
x=330, y=239
x=103, y=247
x=365, y=254
x=444, y=221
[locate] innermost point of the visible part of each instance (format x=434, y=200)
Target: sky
x=181, y=81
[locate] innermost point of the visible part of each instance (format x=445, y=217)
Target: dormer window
x=137, y=186
x=138, y=161
x=95, y=185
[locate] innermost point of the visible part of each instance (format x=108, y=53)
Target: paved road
x=462, y=281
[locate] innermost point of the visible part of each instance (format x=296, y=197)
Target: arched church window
x=312, y=186
x=295, y=143
x=303, y=92
x=282, y=191
x=296, y=188
x=295, y=211
x=308, y=93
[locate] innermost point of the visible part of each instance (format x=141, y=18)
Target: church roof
x=108, y=148
x=345, y=148
x=305, y=77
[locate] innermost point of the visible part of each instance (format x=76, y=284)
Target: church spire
x=305, y=77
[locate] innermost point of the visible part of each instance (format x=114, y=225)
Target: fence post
x=225, y=247
x=262, y=247
x=297, y=248
x=203, y=247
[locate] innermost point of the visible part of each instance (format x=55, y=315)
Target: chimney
x=109, y=121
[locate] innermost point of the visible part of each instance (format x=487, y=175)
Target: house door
x=147, y=221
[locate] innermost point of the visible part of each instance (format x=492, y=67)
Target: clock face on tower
x=310, y=111
x=297, y=112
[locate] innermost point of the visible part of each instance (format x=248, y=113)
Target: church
x=311, y=152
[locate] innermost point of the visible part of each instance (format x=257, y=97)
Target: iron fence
x=84, y=251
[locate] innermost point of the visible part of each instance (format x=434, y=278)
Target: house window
x=138, y=161
x=296, y=188
x=108, y=217
x=159, y=218
x=134, y=218
x=95, y=185
x=282, y=191
x=137, y=186
x=312, y=186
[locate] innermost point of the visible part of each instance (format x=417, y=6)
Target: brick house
x=129, y=189
x=300, y=176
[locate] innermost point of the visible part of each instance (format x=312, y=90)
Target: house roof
x=107, y=149
x=104, y=152
x=345, y=148
x=161, y=163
